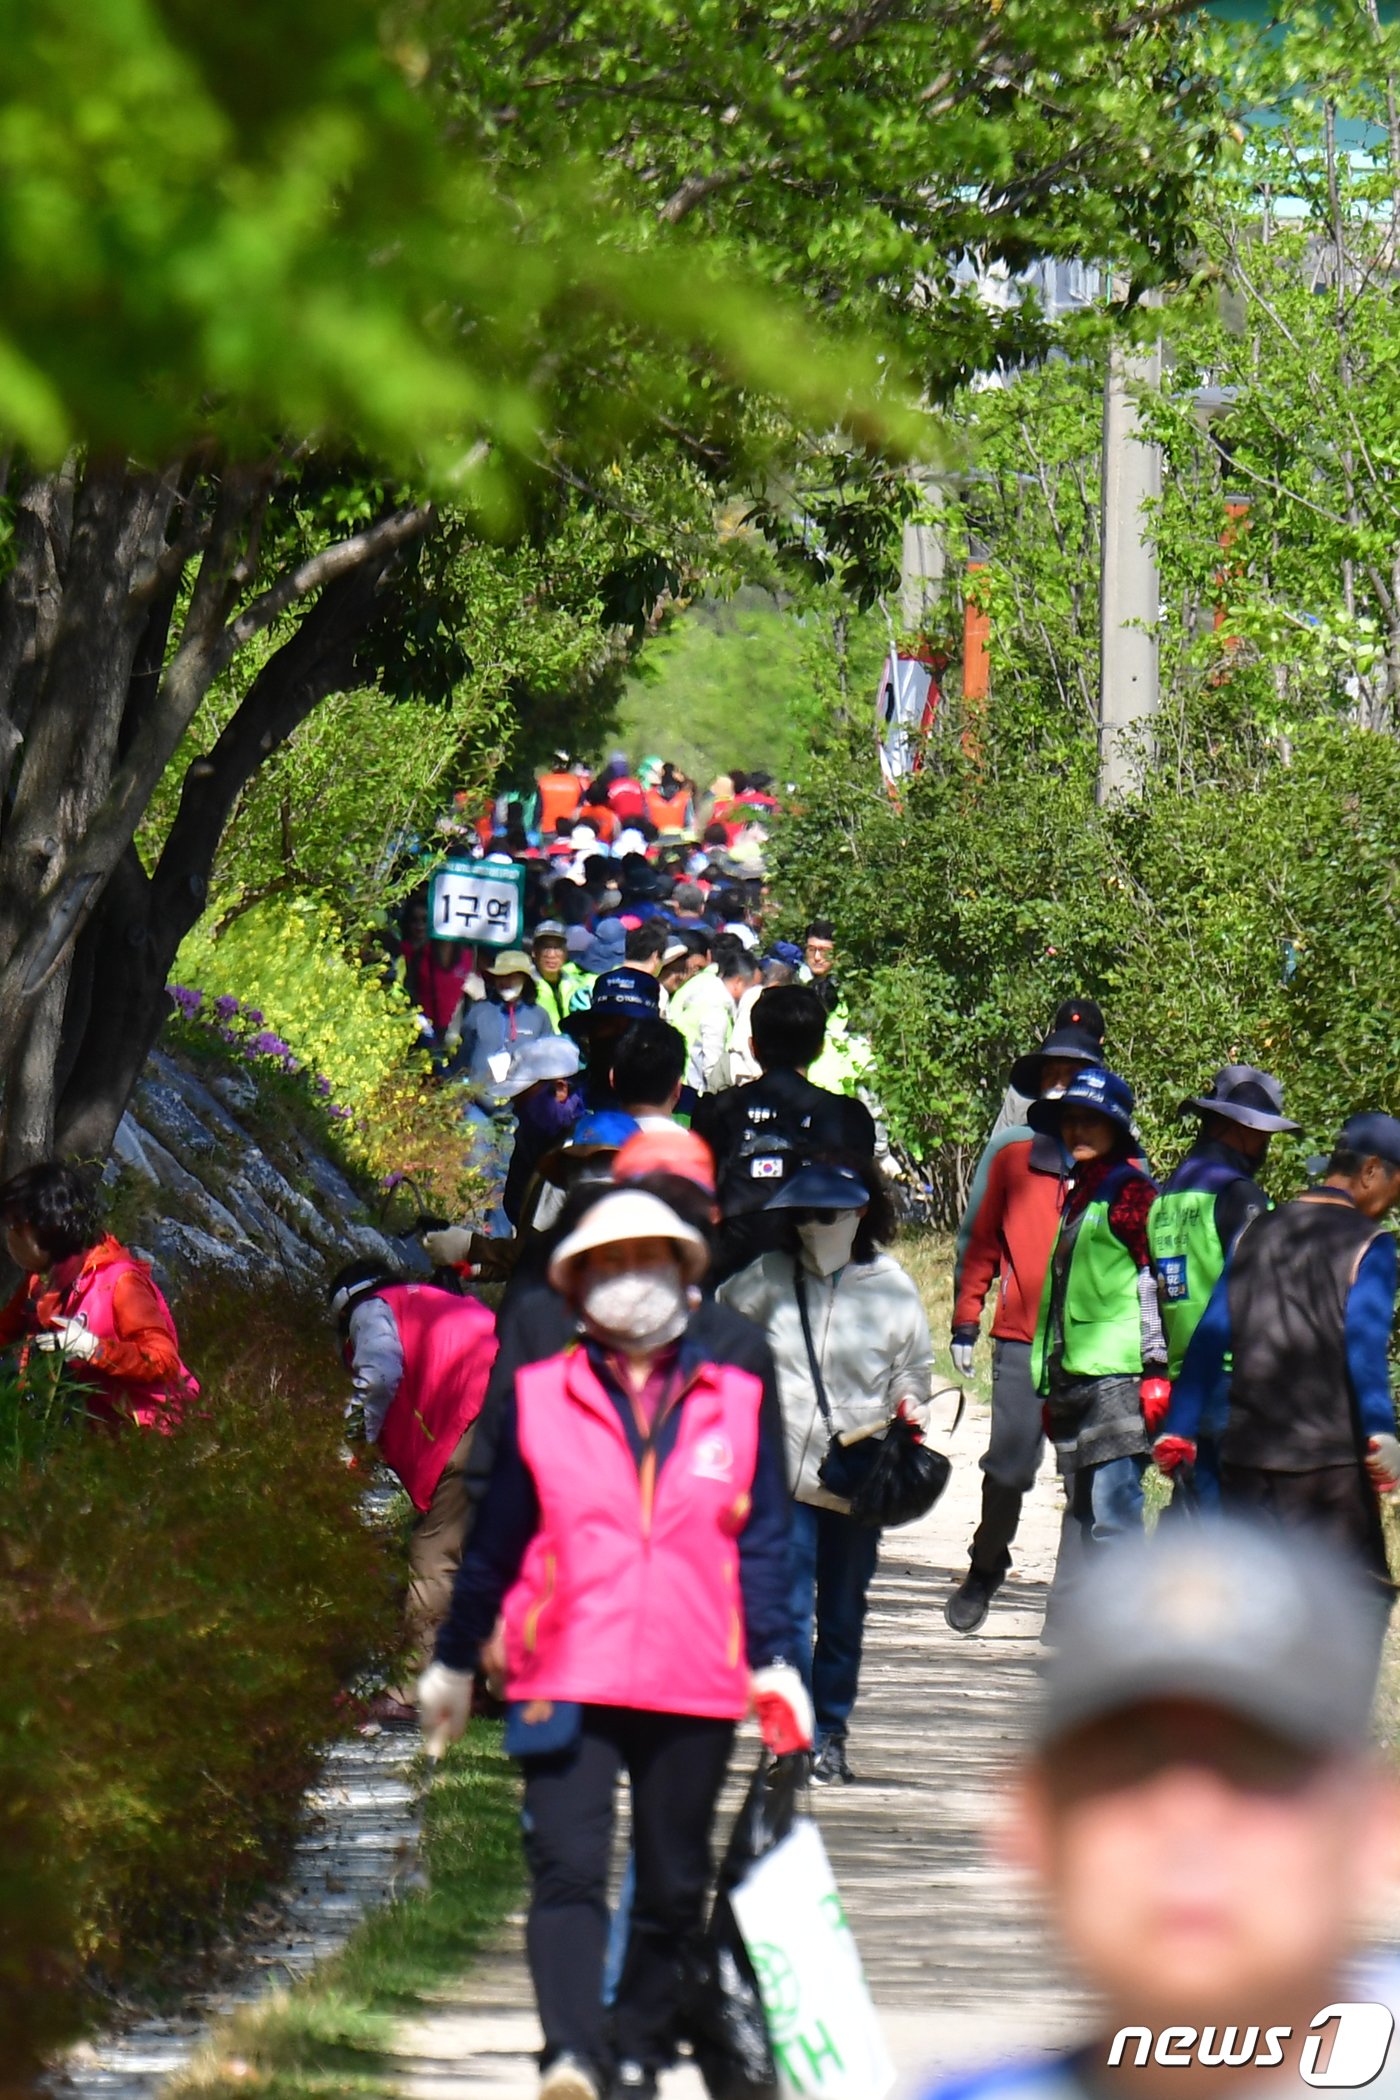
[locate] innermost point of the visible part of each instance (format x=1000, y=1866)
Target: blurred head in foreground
x=1201, y=1803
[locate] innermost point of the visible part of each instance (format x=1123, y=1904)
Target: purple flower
x=252, y=1016
x=391, y=1181
x=226, y=1006
x=337, y=1113
x=188, y=1000
x=321, y=1083
x=268, y=1044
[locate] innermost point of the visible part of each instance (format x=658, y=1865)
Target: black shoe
x=829, y=1766
x=969, y=1603
x=632, y=2082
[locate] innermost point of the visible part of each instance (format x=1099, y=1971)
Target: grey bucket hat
x=1243, y=1094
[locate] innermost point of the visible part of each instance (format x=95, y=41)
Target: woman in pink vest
x=85, y=1295
x=636, y=1531
x=421, y=1359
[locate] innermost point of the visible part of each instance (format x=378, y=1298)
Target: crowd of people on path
x=650, y=1482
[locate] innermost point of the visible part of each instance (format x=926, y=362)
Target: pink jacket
x=629, y=1594
x=449, y=1346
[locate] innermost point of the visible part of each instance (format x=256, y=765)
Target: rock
x=185, y=1247
x=162, y=1110
x=129, y=1149
x=238, y=1091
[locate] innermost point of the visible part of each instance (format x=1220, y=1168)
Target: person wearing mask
x=704, y=1008
x=420, y=1359
x=1074, y=1018
x=636, y=1533
x=493, y=1028
x=1208, y=1823
x=679, y=961
x=88, y=1299
x=543, y=1092
x=1208, y=1200
x=556, y=978
x=1292, y=1352
x=850, y=1339
x=605, y=951
x=1099, y=1354
x=763, y=1132
x=1006, y=1237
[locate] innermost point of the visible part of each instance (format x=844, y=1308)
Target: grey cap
x=1274, y=1628
x=1243, y=1094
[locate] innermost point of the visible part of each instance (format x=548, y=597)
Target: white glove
x=444, y=1706
x=961, y=1353
x=784, y=1710
x=446, y=1248
x=72, y=1337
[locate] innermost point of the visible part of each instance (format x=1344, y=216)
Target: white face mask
x=828, y=1247
x=508, y=994
x=639, y=1310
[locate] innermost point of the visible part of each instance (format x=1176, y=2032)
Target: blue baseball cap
x=1373, y=1135
x=625, y=994
x=1096, y=1088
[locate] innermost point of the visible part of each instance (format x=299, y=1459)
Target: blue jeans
x=833, y=1564
x=1106, y=1500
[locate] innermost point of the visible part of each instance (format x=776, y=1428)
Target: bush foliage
x=177, y=1617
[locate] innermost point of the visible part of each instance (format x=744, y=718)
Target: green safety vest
x=1102, y=1316
x=1188, y=1258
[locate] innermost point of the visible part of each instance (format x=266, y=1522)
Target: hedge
x=177, y=1619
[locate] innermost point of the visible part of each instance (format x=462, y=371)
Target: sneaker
x=632, y=2081
x=569, y=2078
x=829, y=1766
x=969, y=1603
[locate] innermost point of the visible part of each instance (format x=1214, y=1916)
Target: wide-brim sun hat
x=1243, y=1094
x=511, y=962
x=1073, y=1043
x=821, y=1188
x=543, y=1057
x=629, y=1214
x=1096, y=1088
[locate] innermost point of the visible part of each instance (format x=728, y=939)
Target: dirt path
x=951, y=1945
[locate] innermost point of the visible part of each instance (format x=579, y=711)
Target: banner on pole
x=904, y=710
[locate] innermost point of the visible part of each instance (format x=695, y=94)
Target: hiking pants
x=1012, y=1459
x=676, y=1764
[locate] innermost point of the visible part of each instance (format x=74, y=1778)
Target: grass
x=332, y=2037
x=928, y=1257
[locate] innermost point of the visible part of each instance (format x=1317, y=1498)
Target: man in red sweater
x=1009, y=1232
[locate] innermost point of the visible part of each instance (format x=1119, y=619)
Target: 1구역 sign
x=478, y=900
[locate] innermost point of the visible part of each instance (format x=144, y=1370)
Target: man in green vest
x=1206, y=1204
x=1099, y=1355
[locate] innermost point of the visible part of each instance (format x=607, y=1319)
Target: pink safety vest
x=449, y=1346
x=92, y=1295
x=618, y=1604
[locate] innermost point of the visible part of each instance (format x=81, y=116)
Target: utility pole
x=923, y=561
x=1130, y=593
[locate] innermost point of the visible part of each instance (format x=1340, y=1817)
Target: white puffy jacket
x=871, y=1337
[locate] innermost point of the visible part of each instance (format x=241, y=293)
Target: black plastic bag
x=892, y=1479
x=727, y=2029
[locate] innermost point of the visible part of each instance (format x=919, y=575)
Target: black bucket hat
x=1069, y=1040
x=1242, y=1094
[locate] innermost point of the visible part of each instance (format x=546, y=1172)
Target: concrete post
x=1130, y=592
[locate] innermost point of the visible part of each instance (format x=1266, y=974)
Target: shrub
x=177, y=1617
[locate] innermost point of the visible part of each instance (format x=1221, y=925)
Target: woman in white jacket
x=870, y=1344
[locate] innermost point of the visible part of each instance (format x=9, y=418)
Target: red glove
x=783, y=1708
x=1383, y=1463
x=1169, y=1452
x=1156, y=1397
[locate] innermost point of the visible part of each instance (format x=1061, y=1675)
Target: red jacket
x=1011, y=1234
x=137, y=1375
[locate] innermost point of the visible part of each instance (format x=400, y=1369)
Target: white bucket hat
x=629, y=1214
x=543, y=1057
